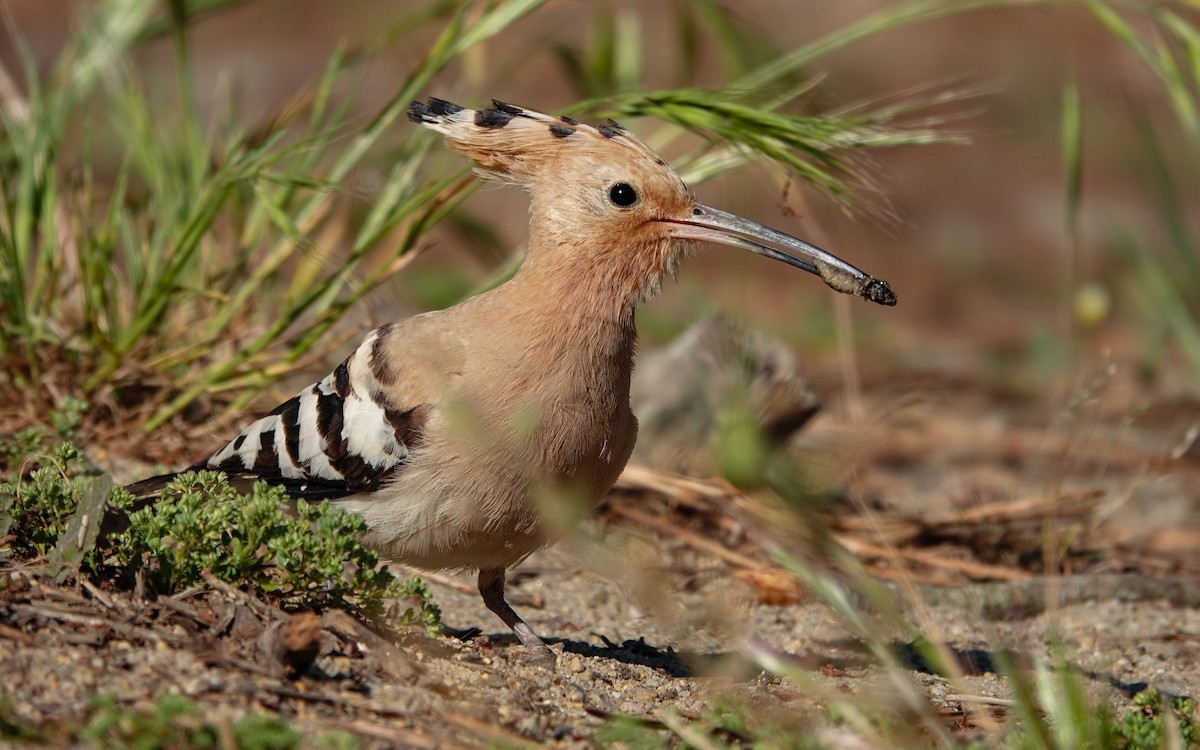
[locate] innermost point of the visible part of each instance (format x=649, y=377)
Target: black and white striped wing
x=340, y=436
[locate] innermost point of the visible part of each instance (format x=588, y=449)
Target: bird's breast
x=581, y=437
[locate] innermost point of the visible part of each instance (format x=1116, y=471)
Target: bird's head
x=604, y=198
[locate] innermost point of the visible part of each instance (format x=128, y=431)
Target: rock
x=683, y=394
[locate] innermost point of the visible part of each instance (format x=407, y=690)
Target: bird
x=447, y=430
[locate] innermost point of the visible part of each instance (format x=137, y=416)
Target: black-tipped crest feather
x=509, y=109
x=443, y=107
x=492, y=118
x=421, y=114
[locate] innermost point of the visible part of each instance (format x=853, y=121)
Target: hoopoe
x=440, y=428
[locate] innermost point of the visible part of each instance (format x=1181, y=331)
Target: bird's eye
x=622, y=194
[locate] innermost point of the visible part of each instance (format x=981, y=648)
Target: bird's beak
x=713, y=225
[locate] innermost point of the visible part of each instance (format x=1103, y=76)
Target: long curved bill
x=709, y=224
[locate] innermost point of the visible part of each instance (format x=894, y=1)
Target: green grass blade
x=1170, y=205
x=1158, y=57
x=1189, y=36
x=110, y=30
x=1072, y=149
x=465, y=30
x=816, y=148
x=888, y=19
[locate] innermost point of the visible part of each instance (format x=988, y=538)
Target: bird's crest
x=515, y=143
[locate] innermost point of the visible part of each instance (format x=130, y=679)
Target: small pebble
x=573, y=664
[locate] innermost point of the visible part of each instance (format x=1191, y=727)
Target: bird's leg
x=491, y=588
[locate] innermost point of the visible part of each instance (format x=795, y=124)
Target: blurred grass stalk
x=1166, y=39
x=1167, y=281
x=1050, y=705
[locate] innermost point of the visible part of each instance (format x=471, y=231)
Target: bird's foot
x=536, y=649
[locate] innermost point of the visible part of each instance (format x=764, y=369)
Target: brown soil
x=963, y=500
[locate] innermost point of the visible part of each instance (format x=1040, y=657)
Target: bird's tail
x=148, y=489
x=145, y=492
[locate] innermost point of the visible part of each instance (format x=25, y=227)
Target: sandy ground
x=612, y=659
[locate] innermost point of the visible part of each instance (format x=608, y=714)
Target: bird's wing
x=350, y=432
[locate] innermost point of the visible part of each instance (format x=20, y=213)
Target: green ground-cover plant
x=173, y=721
x=1147, y=723
x=37, y=515
x=35, y=510
x=309, y=558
